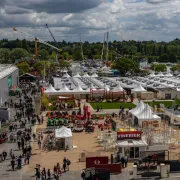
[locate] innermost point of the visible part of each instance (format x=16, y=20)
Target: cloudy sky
x=125, y=19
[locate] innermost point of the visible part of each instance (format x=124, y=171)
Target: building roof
x=6, y=69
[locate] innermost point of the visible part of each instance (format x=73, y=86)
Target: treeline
x=137, y=50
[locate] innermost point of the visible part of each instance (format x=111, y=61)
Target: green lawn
x=112, y=105
x=166, y=103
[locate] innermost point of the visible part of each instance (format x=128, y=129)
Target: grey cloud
x=57, y=6
x=158, y=1
x=15, y=10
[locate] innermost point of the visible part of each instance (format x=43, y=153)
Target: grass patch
x=112, y=105
x=166, y=103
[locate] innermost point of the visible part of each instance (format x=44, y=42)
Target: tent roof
x=64, y=89
x=27, y=74
x=77, y=75
x=147, y=114
x=118, y=88
x=139, y=88
x=63, y=132
x=50, y=89
x=85, y=74
x=139, y=108
x=132, y=143
x=160, y=74
x=94, y=75
x=152, y=74
x=78, y=88
x=169, y=74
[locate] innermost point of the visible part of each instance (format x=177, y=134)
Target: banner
x=10, y=81
x=129, y=135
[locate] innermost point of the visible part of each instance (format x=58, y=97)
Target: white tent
x=77, y=75
x=139, y=88
x=169, y=74
x=94, y=75
x=160, y=74
x=50, y=90
x=85, y=74
x=152, y=74
x=78, y=90
x=66, y=134
x=65, y=89
x=147, y=114
x=118, y=88
x=139, y=108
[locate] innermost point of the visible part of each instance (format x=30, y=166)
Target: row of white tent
x=161, y=74
x=78, y=75
x=143, y=112
x=78, y=90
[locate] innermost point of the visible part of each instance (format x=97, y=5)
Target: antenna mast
x=103, y=46
x=107, y=52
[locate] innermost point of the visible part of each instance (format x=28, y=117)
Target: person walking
x=39, y=144
x=64, y=167
x=12, y=164
x=83, y=175
x=49, y=174
x=4, y=154
x=68, y=162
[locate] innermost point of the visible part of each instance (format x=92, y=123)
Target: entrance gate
x=93, y=173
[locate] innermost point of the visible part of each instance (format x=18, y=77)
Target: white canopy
x=94, y=75
x=77, y=75
x=152, y=74
x=118, y=88
x=147, y=114
x=78, y=90
x=160, y=74
x=139, y=88
x=169, y=74
x=50, y=90
x=65, y=89
x=132, y=143
x=85, y=74
x=139, y=108
x=64, y=133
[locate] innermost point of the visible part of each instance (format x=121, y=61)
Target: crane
x=57, y=45
x=36, y=40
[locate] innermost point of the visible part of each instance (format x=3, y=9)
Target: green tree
x=18, y=53
x=172, y=57
x=160, y=50
x=154, y=50
x=44, y=55
x=163, y=58
x=4, y=55
x=125, y=65
x=65, y=55
x=24, y=44
x=165, y=49
x=23, y=68
x=159, y=67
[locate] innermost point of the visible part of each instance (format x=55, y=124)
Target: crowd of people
x=57, y=170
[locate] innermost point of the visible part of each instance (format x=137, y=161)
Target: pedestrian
x=4, y=154
x=64, y=167
x=19, y=162
x=27, y=158
x=34, y=136
x=12, y=164
x=83, y=175
x=39, y=144
x=59, y=168
x=19, y=144
x=49, y=174
x=68, y=162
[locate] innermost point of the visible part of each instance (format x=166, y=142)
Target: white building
x=9, y=77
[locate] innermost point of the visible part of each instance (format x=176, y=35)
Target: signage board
x=10, y=81
x=129, y=135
